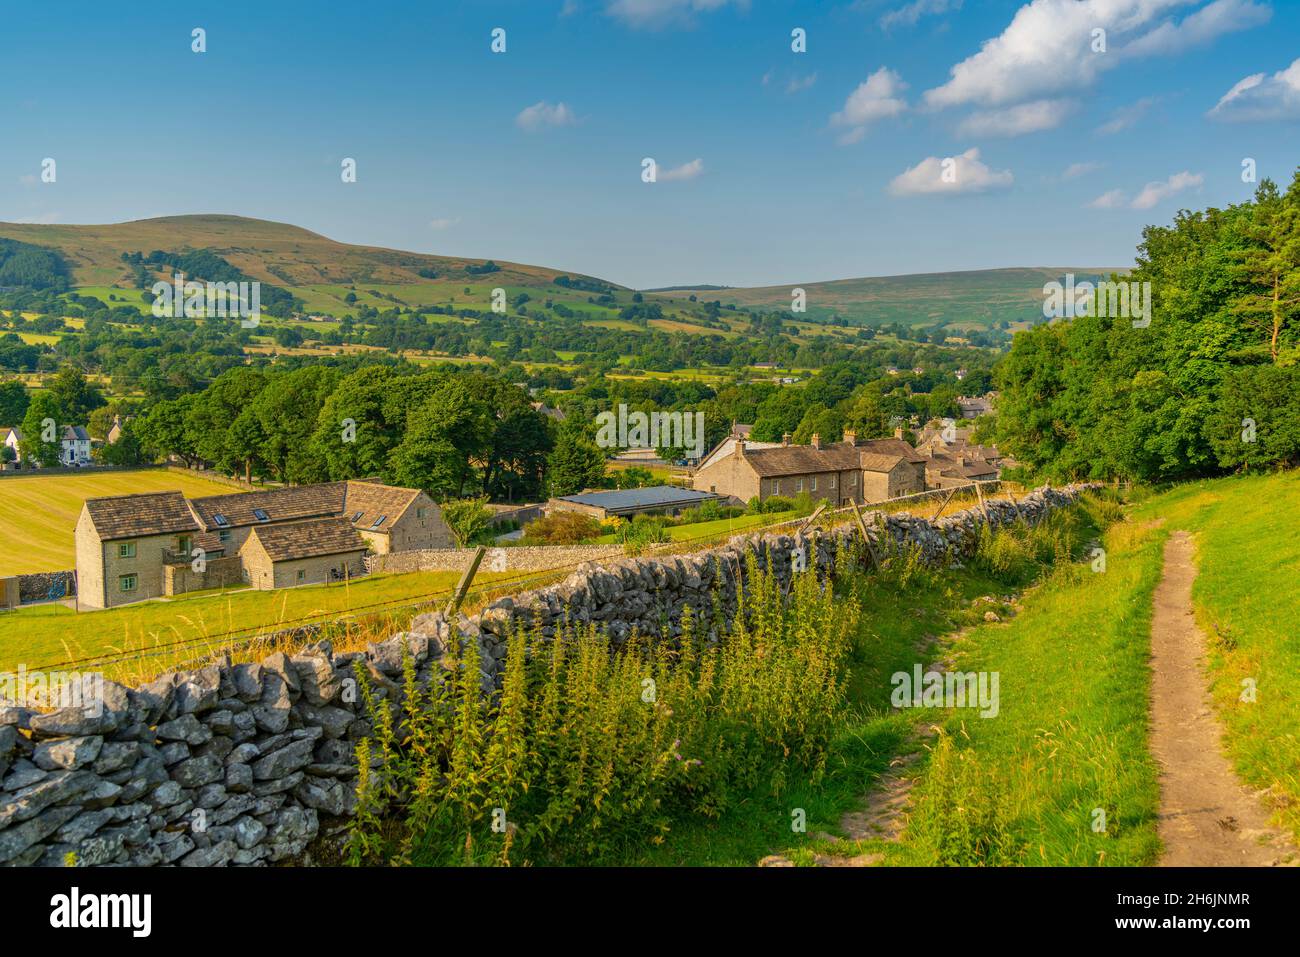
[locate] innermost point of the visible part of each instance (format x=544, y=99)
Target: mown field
x=38, y=513
x=45, y=635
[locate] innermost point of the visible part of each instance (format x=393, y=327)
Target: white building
x=75, y=447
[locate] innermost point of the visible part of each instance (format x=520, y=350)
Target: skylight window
x=357, y=517
x=379, y=521
x=220, y=519
x=260, y=515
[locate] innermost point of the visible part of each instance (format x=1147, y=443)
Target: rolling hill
x=271, y=252
x=961, y=300
x=321, y=272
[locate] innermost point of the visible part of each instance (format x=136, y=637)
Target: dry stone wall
x=244, y=764
x=512, y=558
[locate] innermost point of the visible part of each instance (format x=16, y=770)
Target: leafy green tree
x=75, y=395
x=469, y=519
x=13, y=401
x=574, y=464
x=42, y=430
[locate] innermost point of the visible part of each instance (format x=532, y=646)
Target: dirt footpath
x=1207, y=818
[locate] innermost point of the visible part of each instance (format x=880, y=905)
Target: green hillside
x=960, y=300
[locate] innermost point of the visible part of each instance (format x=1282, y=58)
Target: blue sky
x=775, y=167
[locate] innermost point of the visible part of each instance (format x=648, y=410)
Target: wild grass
x=590, y=748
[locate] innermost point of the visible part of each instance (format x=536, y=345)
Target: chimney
x=816, y=441
x=898, y=432
x=850, y=438
x=740, y=448
x=785, y=439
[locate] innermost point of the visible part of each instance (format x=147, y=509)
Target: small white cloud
x=1261, y=97
x=767, y=77
x=1075, y=170
x=570, y=8
x=1153, y=193
x=1127, y=116
x=686, y=171
x=443, y=223
x=658, y=14
x=1016, y=120
x=877, y=97
x=29, y=179
x=45, y=219
x=798, y=84
x=955, y=174
x=1204, y=26
x=909, y=14
x=542, y=115
x=1113, y=199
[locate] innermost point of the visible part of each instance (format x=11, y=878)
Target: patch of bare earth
x=1207, y=817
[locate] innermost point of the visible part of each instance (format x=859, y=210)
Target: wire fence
x=180, y=651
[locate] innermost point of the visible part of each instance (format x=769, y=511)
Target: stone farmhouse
x=135, y=547
x=840, y=472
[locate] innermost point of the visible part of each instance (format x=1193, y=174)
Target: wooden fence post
x=866, y=539
x=465, y=580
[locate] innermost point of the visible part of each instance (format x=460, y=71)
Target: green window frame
x=126, y=549
x=128, y=582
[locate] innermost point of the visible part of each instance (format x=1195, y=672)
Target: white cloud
x=1016, y=120
x=45, y=219
x=1047, y=49
x=570, y=8
x=1075, y=170
x=658, y=14
x=1151, y=193
x=542, y=114
x=798, y=84
x=1204, y=26
x=965, y=174
x=908, y=14
x=877, y=97
x=443, y=223
x=1262, y=97
x=1112, y=199
x=686, y=171
x=1127, y=116
x=29, y=179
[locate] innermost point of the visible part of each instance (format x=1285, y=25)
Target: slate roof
x=291, y=541
x=293, y=503
x=148, y=513
x=655, y=496
x=876, y=455
x=803, y=459
x=960, y=466
x=75, y=433
x=375, y=501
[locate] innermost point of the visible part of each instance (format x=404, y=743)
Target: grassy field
x=38, y=513
x=1246, y=592
x=51, y=634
